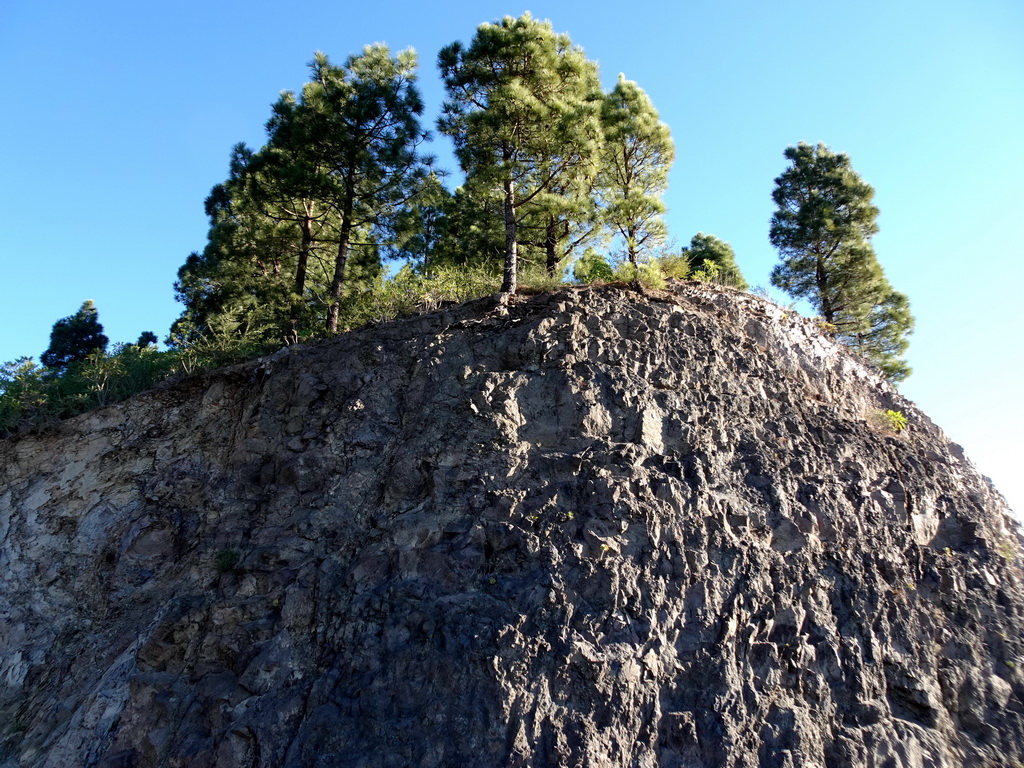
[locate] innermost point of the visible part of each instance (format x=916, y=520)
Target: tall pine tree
x=637, y=157
x=822, y=229
x=523, y=109
x=301, y=223
x=365, y=117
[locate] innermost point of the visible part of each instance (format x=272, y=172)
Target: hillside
x=591, y=528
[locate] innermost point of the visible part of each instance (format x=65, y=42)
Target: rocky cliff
x=589, y=528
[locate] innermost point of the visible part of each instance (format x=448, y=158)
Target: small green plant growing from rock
x=592, y=267
x=890, y=420
x=1007, y=550
x=227, y=560
x=709, y=272
x=896, y=420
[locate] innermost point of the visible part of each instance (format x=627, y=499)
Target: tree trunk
x=551, y=246
x=339, y=266
x=300, y=276
x=508, y=283
x=821, y=279
x=304, y=249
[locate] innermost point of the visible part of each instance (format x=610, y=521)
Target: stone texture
x=592, y=528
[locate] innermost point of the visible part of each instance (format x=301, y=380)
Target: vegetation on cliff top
x=558, y=177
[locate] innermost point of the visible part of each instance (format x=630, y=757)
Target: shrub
x=674, y=265
x=408, y=292
x=891, y=421
x=535, y=278
x=709, y=272
x=592, y=267
x=648, y=274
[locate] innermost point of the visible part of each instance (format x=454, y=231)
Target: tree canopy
x=75, y=337
x=638, y=154
x=523, y=110
x=709, y=249
x=299, y=225
x=366, y=127
x=822, y=228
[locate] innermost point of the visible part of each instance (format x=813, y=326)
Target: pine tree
x=637, y=157
x=74, y=338
x=822, y=228
x=366, y=128
x=241, y=283
x=523, y=111
x=287, y=182
x=299, y=226
x=709, y=248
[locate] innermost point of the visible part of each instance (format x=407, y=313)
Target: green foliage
x=74, y=338
x=538, y=278
x=647, y=273
x=592, y=267
x=897, y=421
x=22, y=394
x=409, y=292
x=705, y=249
x=523, y=111
x=250, y=268
x=889, y=420
x=470, y=232
x=366, y=127
x=299, y=225
x=709, y=272
x=822, y=228
x=636, y=158
x=423, y=231
x=1007, y=549
x=880, y=333
x=675, y=265
x=227, y=338
x=33, y=397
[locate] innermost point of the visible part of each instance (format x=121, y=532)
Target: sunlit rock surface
x=590, y=528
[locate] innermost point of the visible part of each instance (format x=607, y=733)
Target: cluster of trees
x=552, y=165
x=555, y=171
x=77, y=373
x=300, y=224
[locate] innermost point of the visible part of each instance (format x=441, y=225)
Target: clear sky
x=119, y=116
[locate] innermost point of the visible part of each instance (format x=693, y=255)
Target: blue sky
x=119, y=117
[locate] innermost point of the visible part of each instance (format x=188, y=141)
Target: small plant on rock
x=709, y=272
x=889, y=420
x=830, y=328
x=227, y=560
x=896, y=420
x=1007, y=549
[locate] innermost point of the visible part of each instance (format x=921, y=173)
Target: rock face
x=590, y=528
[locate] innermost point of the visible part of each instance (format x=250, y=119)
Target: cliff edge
x=592, y=528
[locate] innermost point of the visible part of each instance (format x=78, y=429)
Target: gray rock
x=591, y=528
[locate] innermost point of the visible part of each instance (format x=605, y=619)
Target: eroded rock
x=586, y=528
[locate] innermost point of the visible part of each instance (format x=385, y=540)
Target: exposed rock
x=588, y=528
